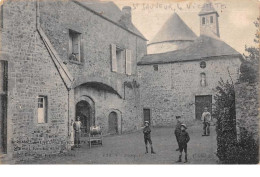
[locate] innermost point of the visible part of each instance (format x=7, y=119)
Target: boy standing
x=147, y=137
x=184, y=138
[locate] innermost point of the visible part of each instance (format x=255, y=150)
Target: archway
x=113, y=123
x=85, y=111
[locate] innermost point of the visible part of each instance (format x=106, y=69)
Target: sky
x=236, y=17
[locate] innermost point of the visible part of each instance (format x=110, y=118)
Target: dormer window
x=203, y=20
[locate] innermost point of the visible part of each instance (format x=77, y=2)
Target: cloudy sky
x=236, y=17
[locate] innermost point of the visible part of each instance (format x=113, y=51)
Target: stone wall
x=97, y=34
x=247, y=106
x=31, y=72
x=171, y=90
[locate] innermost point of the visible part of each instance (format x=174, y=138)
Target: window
x=75, y=46
x=1, y=16
x=203, y=79
x=121, y=60
x=203, y=64
x=42, y=109
x=203, y=20
x=211, y=19
x=155, y=67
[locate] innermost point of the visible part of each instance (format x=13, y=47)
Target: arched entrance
x=113, y=123
x=85, y=111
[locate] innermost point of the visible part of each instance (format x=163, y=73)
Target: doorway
x=3, y=107
x=85, y=112
x=113, y=123
x=201, y=102
x=147, y=115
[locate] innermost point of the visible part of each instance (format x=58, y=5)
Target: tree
x=250, y=65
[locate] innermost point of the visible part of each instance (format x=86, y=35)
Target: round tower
x=174, y=35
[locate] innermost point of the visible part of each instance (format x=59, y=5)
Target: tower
x=209, y=20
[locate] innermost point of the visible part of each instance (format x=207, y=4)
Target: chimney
x=127, y=14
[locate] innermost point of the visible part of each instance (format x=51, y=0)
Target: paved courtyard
x=130, y=149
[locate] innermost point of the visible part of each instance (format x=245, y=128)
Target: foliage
x=250, y=65
x=226, y=121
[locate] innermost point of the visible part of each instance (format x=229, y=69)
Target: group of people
x=182, y=136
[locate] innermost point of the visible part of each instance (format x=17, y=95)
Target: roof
x=109, y=10
x=174, y=29
x=207, y=8
x=203, y=47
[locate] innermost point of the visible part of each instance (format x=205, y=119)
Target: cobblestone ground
x=130, y=149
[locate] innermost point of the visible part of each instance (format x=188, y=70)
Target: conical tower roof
x=174, y=29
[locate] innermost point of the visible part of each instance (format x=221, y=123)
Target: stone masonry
x=175, y=94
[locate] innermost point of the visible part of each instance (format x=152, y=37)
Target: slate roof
x=207, y=8
x=202, y=48
x=110, y=11
x=174, y=29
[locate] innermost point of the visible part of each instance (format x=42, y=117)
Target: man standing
x=77, y=129
x=147, y=137
x=206, y=118
x=178, y=130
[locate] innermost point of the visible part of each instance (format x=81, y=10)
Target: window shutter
x=128, y=62
x=70, y=45
x=81, y=50
x=113, y=58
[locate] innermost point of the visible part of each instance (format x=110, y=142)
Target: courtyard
x=130, y=149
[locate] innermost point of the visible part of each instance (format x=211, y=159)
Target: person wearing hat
x=178, y=130
x=184, y=138
x=147, y=137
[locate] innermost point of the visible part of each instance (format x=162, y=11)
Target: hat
x=146, y=122
x=184, y=125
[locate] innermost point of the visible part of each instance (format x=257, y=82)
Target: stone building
x=61, y=59
x=182, y=81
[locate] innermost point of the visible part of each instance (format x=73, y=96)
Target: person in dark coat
x=178, y=130
x=147, y=137
x=184, y=138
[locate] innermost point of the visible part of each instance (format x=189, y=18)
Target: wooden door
x=113, y=123
x=3, y=107
x=147, y=115
x=201, y=102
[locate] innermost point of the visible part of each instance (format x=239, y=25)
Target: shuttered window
x=128, y=64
